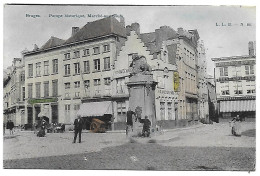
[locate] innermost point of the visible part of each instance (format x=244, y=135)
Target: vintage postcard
x=129, y=87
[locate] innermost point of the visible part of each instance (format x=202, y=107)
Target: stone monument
x=142, y=94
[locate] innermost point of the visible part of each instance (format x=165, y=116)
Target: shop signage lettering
x=235, y=63
x=46, y=100
x=166, y=92
x=237, y=78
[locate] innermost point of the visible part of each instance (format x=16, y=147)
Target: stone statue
x=140, y=66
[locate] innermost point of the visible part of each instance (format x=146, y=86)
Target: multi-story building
x=93, y=66
x=162, y=62
x=14, y=93
x=187, y=66
x=203, y=97
x=235, y=84
x=64, y=73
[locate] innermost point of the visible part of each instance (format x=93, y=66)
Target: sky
x=22, y=32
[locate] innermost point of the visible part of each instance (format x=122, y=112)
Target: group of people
x=129, y=123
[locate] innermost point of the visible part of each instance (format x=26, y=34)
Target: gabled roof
x=98, y=28
x=153, y=41
x=52, y=42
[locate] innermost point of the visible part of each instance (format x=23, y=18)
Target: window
x=55, y=88
x=97, y=82
x=23, y=93
x=250, y=86
x=225, y=92
x=107, y=63
x=86, y=52
x=224, y=86
x=96, y=50
x=107, y=81
x=97, y=64
x=249, y=69
x=67, y=108
x=46, y=67
x=87, y=83
x=77, y=84
x=169, y=104
x=67, y=56
x=77, y=68
x=120, y=86
x=55, y=66
x=30, y=90
x=162, y=110
x=106, y=48
x=67, y=95
x=67, y=85
x=30, y=70
x=38, y=90
x=76, y=107
x=67, y=69
x=46, y=89
x=237, y=92
x=161, y=82
x=223, y=71
x=121, y=107
x=76, y=54
x=77, y=94
x=86, y=67
x=22, y=77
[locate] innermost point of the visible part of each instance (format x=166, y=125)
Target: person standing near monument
x=129, y=120
x=11, y=126
x=78, y=125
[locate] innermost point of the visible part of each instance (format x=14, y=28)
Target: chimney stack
x=74, y=30
x=251, y=48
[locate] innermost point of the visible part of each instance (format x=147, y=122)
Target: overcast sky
x=22, y=32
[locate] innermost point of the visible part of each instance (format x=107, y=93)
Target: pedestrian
x=129, y=120
x=11, y=126
x=4, y=128
x=146, y=126
x=78, y=124
x=236, y=126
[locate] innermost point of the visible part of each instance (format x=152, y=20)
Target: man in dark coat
x=11, y=126
x=146, y=126
x=129, y=120
x=78, y=124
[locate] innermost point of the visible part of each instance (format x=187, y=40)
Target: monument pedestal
x=142, y=101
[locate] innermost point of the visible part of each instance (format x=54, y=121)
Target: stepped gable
x=52, y=42
x=102, y=27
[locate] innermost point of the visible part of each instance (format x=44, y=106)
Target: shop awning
x=95, y=109
x=237, y=106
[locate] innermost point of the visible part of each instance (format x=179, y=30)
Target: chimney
x=128, y=29
x=74, y=30
x=122, y=20
x=180, y=31
x=35, y=48
x=251, y=48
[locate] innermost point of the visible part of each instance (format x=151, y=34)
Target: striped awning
x=237, y=106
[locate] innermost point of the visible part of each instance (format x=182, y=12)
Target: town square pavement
x=200, y=140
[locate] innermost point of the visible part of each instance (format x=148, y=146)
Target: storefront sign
x=122, y=71
x=166, y=92
x=252, y=78
x=236, y=63
x=46, y=100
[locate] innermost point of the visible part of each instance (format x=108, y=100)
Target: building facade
x=64, y=73
x=203, y=97
x=93, y=65
x=14, y=93
x=235, y=84
x=163, y=73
